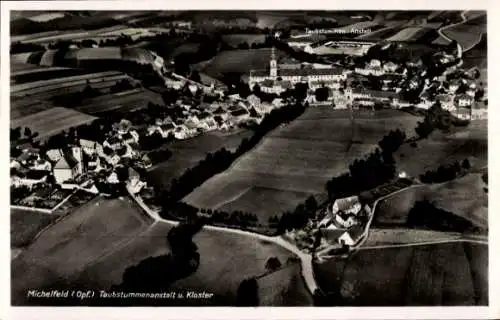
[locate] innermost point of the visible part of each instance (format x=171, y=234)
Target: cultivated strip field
x=321, y=140
x=24, y=225
x=187, y=153
x=122, y=102
x=408, y=34
x=425, y=275
x=52, y=121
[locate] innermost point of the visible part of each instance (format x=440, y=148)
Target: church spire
x=273, y=67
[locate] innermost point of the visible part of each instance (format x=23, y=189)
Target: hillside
x=442, y=274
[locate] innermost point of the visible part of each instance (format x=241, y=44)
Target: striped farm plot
x=321, y=143
x=122, y=102
x=20, y=58
x=408, y=34
x=52, y=121
x=59, y=83
x=468, y=33
x=20, y=108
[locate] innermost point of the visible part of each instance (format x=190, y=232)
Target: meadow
x=52, y=121
x=441, y=148
x=321, y=144
x=25, y=225
x=87, y=234
x=187, y=153
x=100, y=240
x=409, y=34
x=241, y=61
x=445, y=274
x=468, y=33
x=464, y=197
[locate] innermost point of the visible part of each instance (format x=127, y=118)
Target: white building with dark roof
x=276, y=77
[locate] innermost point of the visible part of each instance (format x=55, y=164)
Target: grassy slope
x=25, y=225
x=74, y=242
x=440, y=148
x=427, y=275
x=319, y=138
x=187, y=153
x=464, y=197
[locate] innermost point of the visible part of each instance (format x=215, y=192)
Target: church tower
x=273, y=65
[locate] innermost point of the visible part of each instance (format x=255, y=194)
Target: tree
x=195, y=76
x=256, y=89
x=15, y=134
x=466, y=164
x=273, y=264
x=248, y=293
x=321, y=94
x=27, y=132
x=424, y=129
x=300, y=92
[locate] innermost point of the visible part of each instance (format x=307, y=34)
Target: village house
x=479, y=111
x=90, y=147
x=453, y=86
x=463, y=113
x=69, y=165
x=464, y=100
x=40, y=164
x=253, y=100
x=390, y=66
x=113, y=142
x=31, y=178
x=130, y=137
x=446, y=101
x=134, y=183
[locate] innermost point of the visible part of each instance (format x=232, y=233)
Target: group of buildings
x=344, y=222
x=70, y=166
x=457, y=96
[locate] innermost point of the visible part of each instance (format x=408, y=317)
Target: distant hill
x=25, y=25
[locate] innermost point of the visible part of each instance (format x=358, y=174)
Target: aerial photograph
x=249, y=158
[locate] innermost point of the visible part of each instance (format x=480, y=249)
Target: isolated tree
x=273, y=264
x=466, y=164
x=27, y=132
x=248, y=293
x=321, y=94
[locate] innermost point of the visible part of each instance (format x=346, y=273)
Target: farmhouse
x=90, y=147
x=464, y=100
x=303, y=74
x=67, y=168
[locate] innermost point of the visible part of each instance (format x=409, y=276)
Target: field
x=424, y=275
x=445, y=148
x=320, y=139
x=285, y=288
x=187, y=153
x=380, y=34
x=391, y=236
x=85, y=235
x=99, y=242
x=409, y=34
x=43, y=73
x=239, y=61
x=52, y=121
x=120, y=103
x=467, y=34
x=236, y=39
x=24, y=226
x=477, y=56
x=464, y=197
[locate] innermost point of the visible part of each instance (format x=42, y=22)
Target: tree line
x=377, y=168
x=221, y=160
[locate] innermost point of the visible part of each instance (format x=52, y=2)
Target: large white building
x=281, y=78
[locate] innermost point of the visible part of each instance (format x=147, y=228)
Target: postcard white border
x=491, y=312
